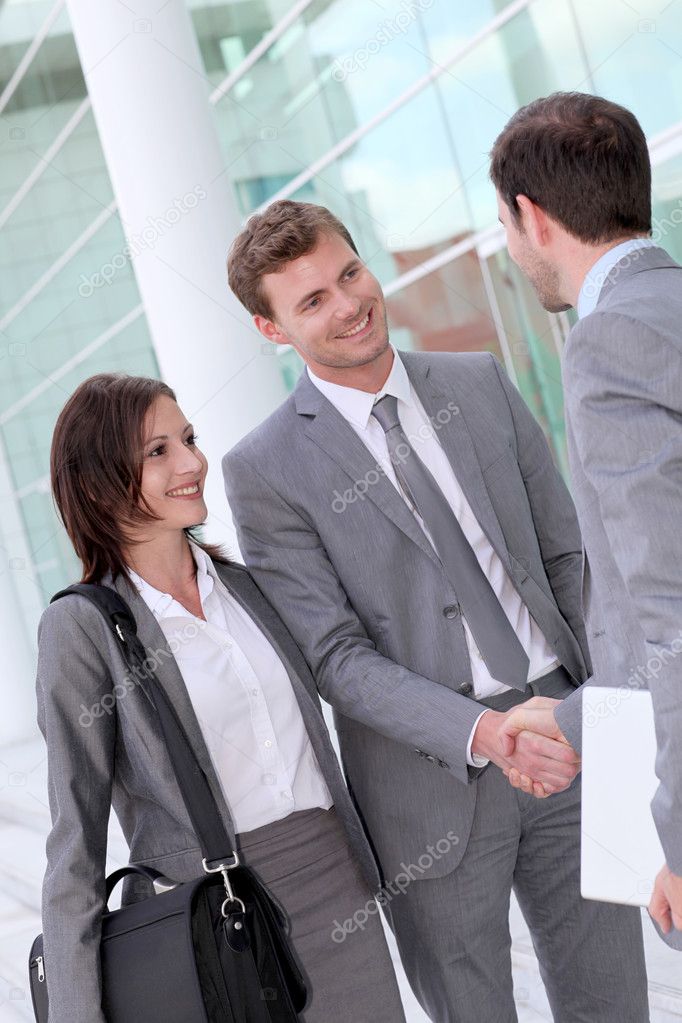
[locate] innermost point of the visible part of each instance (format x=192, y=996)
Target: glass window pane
x=534, y=342
x=635, y=51
x=331, y=71
x=535, y=53
x=447, y=311
x=667, y=206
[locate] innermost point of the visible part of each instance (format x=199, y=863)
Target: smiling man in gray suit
x=573, y=179
x=404, y=514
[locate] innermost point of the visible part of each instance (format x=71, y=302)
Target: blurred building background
x=113, y=237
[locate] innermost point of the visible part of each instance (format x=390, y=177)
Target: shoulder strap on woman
x=192, y=781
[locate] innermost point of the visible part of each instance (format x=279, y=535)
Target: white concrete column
x=149, y=95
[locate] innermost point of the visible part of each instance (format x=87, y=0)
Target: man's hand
x=666, y=902
x=534, y=716
x=538, y=763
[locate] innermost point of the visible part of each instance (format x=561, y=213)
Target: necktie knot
x=385, y=411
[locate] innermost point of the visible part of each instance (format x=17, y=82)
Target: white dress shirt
x=243, y=700
x=597, y=274
x=356, y=408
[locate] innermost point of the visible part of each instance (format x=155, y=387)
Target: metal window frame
x=32, y=49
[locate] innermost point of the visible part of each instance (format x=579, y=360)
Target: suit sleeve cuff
x=569, y=717
x=474, y=759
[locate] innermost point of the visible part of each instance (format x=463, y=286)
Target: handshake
x=528, y=746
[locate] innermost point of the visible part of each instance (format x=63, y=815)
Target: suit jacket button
x=451, y=611
x=465, y=688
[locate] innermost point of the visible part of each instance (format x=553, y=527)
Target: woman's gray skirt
x=306, y=861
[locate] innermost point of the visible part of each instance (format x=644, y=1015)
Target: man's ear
x=270, y=330
x=534, y=220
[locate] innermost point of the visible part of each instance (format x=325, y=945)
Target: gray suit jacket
x=623, y=387
x=362, y=591
x=108, y=750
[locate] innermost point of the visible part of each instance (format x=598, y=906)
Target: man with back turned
x=573, y=180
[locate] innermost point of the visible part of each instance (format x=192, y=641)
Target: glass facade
x=385, y=113
x=421, y=91
x=67, y=291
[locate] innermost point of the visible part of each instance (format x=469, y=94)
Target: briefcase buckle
x=223, y=868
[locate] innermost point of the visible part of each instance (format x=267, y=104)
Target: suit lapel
x=330, y=431
x=455, y=439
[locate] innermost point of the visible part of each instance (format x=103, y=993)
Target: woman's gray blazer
x=105, y=748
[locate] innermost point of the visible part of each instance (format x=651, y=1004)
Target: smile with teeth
x=184, y=491
x=357, y=328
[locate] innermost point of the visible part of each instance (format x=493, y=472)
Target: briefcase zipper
x=38, y=961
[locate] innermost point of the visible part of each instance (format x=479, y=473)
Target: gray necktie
x=497, y=641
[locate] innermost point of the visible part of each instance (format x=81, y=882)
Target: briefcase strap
x=218, y=848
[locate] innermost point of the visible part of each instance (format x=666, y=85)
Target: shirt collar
x=164, y=605
x=597, y=274
x=355, y=405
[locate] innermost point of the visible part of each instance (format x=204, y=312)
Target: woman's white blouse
x=243, y=700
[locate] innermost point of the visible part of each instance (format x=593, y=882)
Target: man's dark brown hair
x=270, y=240
x=96, y=469
x=583, y=160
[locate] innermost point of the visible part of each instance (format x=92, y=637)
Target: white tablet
x=621, y=852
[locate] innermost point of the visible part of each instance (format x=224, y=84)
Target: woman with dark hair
x=128, y=481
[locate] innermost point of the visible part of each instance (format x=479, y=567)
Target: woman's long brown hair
x=96, y=470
